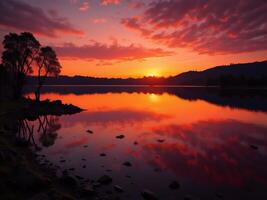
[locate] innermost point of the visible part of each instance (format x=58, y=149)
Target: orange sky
x=130, y=38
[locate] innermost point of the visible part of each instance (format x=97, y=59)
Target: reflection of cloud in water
x=77, y=143
x=212, y=151
x=120, y=117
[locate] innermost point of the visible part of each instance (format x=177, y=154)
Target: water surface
x=214, y=143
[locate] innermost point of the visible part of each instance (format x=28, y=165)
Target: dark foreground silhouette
x=237, y=75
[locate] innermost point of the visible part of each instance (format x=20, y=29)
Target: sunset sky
x=136, y=38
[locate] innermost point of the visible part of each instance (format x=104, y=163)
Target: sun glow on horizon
x=154, y=74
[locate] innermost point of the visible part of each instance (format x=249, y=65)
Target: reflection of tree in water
x=25, y=132
x=47, y=129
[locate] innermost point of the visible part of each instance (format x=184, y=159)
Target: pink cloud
x=205, y=26
x=107, y=2
x=114, y=52
x=134, y=24
x=84, y=7
x=99, y=20
x=24, y=17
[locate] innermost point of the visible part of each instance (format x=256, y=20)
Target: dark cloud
x=115, y=51
x=205, y=26
x=24, y=17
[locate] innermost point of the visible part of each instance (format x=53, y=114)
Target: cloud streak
x=24, y=17
x=205, y=26
x=113, y=52
x=107, y=2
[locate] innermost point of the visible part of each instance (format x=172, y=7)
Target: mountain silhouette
x=246, y=74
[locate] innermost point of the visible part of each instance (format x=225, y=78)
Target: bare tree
x=47, y=65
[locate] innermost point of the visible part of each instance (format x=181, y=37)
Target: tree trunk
x=37, y=93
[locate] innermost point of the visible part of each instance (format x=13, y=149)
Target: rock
x=64, y=172
x=71, y=169
x=96, y=185
x=85, y=146
x=135, y=143
x=109, y=192
x=120, y=136
x=29, y=180
x=41, y=196
x=79, y=177
x=219, y=195
x=148, y=195
x=102, y=154
x=58, y=102
x=68, y=181
x=253, y=147
x=88, y=190
x=117, y=188
x=174, y=185
x=128, y=164
x=89, y=131
x=2, y=157
x=62, y=161
x=84, y=166
x=160, y=140
x=105, y=180
x=157, y=170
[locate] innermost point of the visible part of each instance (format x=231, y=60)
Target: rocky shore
x=22, y=176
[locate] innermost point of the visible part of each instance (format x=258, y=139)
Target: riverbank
x=23, y=178
x=22, y=175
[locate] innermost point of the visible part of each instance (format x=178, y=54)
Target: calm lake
x=212, y=142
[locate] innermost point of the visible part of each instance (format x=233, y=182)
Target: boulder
x=105, y=180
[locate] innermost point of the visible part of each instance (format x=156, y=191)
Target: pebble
x=174, y=185
x=120, y=136
x=128, y=164
x=90, y=131
x=148, y=195
x=105, y=180
x=118, y=188
x=253, y=147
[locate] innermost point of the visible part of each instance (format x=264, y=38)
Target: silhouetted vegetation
x=236, y=75
x=48, y=65
x=22, y=53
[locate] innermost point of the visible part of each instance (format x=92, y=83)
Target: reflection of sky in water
x=206, y=147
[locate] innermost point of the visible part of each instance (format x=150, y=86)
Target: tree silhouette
x=17, y=58
x=48, y=65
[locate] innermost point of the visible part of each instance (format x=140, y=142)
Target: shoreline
x=23, y=176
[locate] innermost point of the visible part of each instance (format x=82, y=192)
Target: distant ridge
x=246, y=74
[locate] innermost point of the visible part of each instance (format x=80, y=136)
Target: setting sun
x=154, y=74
